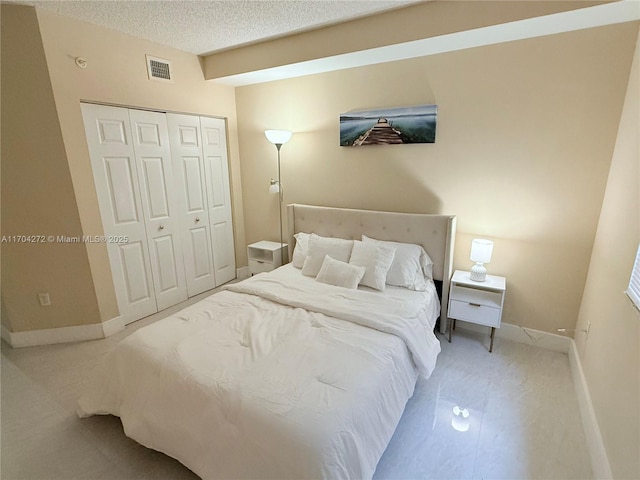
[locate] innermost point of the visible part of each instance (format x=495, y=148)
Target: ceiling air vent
x=159, y=69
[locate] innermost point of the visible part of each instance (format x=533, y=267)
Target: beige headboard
x=435, y=233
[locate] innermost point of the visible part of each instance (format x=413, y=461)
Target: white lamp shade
x=274, y=187
x=278, y=137
x=481, y=250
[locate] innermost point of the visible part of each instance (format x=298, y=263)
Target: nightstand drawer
x=474, y=295
x=258, y=266
x=475, y=312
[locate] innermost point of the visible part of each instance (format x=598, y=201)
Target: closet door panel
x=223, y=254
x=201, y=245
x=216, y=177
x=188, y=165
x=197, y=226
x=155, y=187
x=222, y=232
x=166, y=266
x=115, y=173
x=193, y=184
x=156, y=180
x=121, y=191
x=218, y=197
x=136, y=275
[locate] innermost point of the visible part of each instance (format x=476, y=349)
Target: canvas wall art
x=388, y=126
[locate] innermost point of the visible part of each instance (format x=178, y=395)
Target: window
x=633, y=292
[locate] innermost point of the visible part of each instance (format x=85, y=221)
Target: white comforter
x=268, y=380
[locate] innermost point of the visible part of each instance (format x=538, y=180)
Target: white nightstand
x=476, y=302
x=265, y=256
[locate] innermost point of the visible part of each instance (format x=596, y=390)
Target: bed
x=285, y=374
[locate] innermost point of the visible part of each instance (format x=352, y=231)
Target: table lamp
x=481, y=251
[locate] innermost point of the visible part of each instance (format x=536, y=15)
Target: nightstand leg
x=493, y=333
x=452, y=326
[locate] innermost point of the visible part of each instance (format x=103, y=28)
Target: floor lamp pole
x=278, y=138
x=278, y=145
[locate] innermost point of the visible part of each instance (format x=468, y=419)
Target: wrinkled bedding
x=278, y=376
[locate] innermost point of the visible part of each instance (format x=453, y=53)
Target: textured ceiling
x=204, y=26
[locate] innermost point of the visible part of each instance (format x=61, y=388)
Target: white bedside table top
x=493, y=282
x=267, y=245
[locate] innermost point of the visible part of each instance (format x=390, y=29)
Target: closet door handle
x=197, y=219
x=161, y=227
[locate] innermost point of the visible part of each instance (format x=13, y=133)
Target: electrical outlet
x=45, y=299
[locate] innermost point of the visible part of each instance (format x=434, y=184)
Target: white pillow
x=411, y=266
x=340, y=274
x=377, y=261
x=300, y=250
x=319, y=247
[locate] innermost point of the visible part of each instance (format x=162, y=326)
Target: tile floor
x=523, y=418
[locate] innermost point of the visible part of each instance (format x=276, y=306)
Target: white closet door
x=116, y=178
x=188, y=167
x=214, y=147
x=157, y=187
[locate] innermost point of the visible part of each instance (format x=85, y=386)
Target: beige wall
x=37, y=192
x=524, y=141
x=610, y=354
x=116, y=74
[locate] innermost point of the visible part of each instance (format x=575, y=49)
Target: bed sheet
x=241, y=386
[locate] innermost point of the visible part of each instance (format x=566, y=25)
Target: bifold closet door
x=188, y=163
x=159, y=205
x=115, y=172
x=217, y=182
x=162, y=182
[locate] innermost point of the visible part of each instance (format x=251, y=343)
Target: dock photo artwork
x=389, y=126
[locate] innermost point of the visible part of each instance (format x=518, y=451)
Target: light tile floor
x=523, y=417
x=523, y=424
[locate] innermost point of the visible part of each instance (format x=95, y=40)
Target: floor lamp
x=278, y=138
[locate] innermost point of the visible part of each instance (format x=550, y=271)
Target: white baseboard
x=599, y=459
x=242, y=273
x=5, y=334
x=515, y=333
x=113, y=326
x=558, y=343
x=50, y=336
x=537, y=338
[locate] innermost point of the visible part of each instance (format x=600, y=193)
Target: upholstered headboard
x=435, y=233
